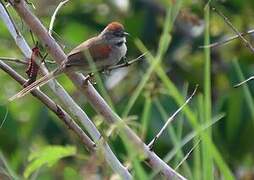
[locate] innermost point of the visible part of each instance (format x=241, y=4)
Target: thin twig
x=127, y=63
x=19, y=61
x=14, y=60
x=54, y=16
x=5, y=117
x=243, y=82
x=170, y=119
x=223, y=42
x=245, y=41
x=188, y=154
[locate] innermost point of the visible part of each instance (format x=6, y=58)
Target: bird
x=105, y=49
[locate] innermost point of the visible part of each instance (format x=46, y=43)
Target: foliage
x=48, y=155
x=170, y=33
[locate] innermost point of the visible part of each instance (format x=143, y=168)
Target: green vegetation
x=35, y=144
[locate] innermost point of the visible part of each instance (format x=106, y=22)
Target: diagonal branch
x=66, y=100
x=243, y=82
x=88, y=90
x=58, y=110
x=170, y=119
x=225, y=41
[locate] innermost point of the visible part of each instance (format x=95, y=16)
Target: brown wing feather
x=77, y=56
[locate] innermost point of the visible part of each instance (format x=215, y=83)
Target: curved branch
x=54, y=16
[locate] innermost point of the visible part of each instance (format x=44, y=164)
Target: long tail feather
x=38, y=83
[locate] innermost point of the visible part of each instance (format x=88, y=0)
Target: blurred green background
x=225, y=114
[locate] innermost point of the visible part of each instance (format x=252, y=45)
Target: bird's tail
x=40, y=82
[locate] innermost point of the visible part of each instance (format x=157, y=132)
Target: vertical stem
x=207, y=158
x=146, y=115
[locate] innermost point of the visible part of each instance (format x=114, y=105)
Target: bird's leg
x=88, y=78
x=126, y=62
x=91, y=78
x=106, y=71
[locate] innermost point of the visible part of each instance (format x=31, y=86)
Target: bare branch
x=19, y=61
x=54, y=16
x=127, y=63
x=151, y=144
x=14, y=60
x=89, y=91
x=223, y=42
x=89, y=144
x=243, y=82
x=63, y=96
x=245, y=41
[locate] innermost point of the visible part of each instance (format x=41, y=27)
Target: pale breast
x=118, y=53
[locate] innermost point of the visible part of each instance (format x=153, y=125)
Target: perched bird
x=105, y=50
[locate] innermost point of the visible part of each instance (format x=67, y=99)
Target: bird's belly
x=117, y=55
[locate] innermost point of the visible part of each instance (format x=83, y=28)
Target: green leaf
x=49, y=155
x=70, y=173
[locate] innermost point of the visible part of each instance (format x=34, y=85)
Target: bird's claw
x=126, y=62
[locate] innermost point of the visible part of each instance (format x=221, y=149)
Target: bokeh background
x=29, y=126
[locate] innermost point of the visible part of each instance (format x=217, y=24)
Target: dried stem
x=58, y=110
x=243, y=82
x=223, y=42
x=245, y=41
x=19, y=61
x=62, y=95
x=89, y=91
x=14, y=60
x=151, y=144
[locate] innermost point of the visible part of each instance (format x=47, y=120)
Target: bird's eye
x=119, y=33
x=119, y=43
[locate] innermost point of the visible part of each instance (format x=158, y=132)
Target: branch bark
x=88, y=90
x=66, y=100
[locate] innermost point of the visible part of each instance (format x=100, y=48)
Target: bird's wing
x=79, y=57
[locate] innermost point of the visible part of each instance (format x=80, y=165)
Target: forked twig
x=245, y=41
x=240, y=35
x=170, y=119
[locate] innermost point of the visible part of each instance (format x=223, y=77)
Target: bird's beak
x=126, y=34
